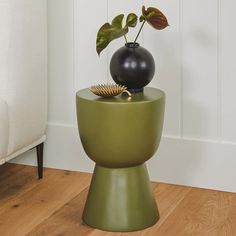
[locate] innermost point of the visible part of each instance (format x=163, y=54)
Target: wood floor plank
x=66, y=221
x=15, y=180
x=168, y=197
x=7, y=168
x=97, y=232
x=202, y=212
x=22, y=213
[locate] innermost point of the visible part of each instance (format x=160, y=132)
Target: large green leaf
x=131, y=20
x=155, y=17
x=102, y=39
x=117, y=21
x=109, y=32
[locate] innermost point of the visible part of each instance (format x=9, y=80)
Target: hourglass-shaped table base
x=120, y=134
x=120, y=199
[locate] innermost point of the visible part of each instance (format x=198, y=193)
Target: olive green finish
x=120, y=199
x=119, y=134
x=121, y=131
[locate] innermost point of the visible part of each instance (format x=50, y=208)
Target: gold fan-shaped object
x=109, y=90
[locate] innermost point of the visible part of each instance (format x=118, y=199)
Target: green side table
x=120, y=134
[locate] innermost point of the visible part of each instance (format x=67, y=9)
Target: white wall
x=196, y=68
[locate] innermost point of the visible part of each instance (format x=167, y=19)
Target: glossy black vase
x=132, y=66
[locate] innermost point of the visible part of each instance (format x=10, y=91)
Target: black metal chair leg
x=39, y=149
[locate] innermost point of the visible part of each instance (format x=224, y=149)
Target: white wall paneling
x=165, y=47
x=195, y=59
x=60, y=60
x=200, y=68
x=89, y=68
x=228, y=68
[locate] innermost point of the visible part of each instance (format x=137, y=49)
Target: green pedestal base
x=120, y=200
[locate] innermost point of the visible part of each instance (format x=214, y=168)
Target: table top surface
x=149, y=94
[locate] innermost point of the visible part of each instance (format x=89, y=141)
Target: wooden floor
x=54, y=205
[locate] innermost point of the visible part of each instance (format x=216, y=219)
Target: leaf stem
x=139, y=31
x=125, y=39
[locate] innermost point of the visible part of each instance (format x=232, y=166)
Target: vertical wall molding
x=74, y=48
x=181, y=9
x=219, y=73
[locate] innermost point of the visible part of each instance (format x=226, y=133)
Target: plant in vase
x=131, y=66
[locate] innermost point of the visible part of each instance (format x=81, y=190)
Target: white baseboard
x=63, y=150
x=205, y=164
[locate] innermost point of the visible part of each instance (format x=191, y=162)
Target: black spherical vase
x=132, y=66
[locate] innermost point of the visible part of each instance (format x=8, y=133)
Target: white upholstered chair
x=23, y=74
